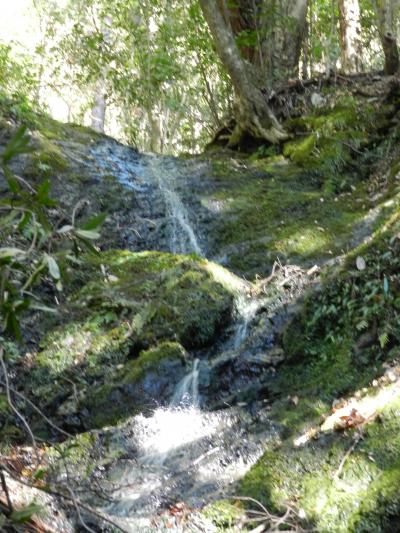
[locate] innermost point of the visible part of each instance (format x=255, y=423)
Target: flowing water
x=188, y=452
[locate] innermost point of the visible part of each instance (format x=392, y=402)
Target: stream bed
x=216, y=427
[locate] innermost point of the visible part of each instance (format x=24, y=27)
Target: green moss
x=128, y=303
x=353, y=318
x=167, y=297
x=224, y=515
x=47, y=160
x=300, y=151
x=134, y=386
x=306, y=207
x=363, y=497
x=282, y=213
x=150, y=360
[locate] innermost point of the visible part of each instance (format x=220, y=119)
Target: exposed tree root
x=294, y=99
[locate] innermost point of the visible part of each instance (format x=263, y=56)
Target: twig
x=13, y=408
x=78, y=511
x=5, y=490
x=39, y=411
x=81, y=203
x=69, y=499
x=347, y=455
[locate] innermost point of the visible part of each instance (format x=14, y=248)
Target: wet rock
x=127, y=303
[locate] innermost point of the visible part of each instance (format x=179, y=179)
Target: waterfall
x=183, y=238
x=187, y=390
x=246, y=309
x=179, y=452
x=142, y=174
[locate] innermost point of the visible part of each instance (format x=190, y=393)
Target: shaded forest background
x=153, y=75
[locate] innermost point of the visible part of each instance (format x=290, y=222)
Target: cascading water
x=246, y=309
x=153, y=176
x=187, y=391
x=182, y=452
x=183, y=238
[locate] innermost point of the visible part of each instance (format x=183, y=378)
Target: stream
x=216, y=426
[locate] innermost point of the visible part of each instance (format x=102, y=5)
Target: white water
x=179, y=453
x=187, y=391
x=138, y=171
x=183, y=238
x=246, y=309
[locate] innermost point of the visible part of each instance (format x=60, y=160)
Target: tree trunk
x=155, y=142
x=391, y=52
x=99, y=110
x=283, y=32
x=384, y=10
x=350, y=35
x=295, y=37
x=253, y=113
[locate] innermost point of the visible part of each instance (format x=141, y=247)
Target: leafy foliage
x=34, y=247
x=362, y=306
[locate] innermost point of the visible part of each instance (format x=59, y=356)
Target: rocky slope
x=285, y=351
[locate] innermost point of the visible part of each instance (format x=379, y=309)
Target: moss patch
x=137, y=386
x=132, y=302
x=336, y=345
x=362, y=496
x=306, y=204
x=279, y=210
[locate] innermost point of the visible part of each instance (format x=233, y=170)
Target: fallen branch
x=68, y=498
x=338, y=472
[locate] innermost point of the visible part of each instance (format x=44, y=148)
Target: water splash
x=187, y=391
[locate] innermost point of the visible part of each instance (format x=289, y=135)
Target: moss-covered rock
x=224, y=515
x=121, y=339
x=348, y=328
x=47, y=160
x=308, y=203
x=343, y=483
x=266, y=211
x=342, y=340
x=300, y=151
x=139, y=385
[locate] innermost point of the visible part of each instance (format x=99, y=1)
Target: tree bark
x=391, y=53
x=295, y=36
x=253, y=114
x=99, y=110
x=283, y=33
x=350, y=35
x=384, y=10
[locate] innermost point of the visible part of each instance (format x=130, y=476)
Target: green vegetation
x=93, y=333
x=121, y=331
x=360, y=497
x=342, y=339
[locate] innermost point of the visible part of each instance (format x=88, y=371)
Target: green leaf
x=13, y=185
x=17, y=145
x=11, y=252
x=383, y=339
x=53, y=267
x=42, y=195
x=40, y=473
x=362, y=325
x=37, y=306
x=87, y=234
x=24, y=514
x=27, y=217
x=385, y=285
x=65, y=229
x=95, y=222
